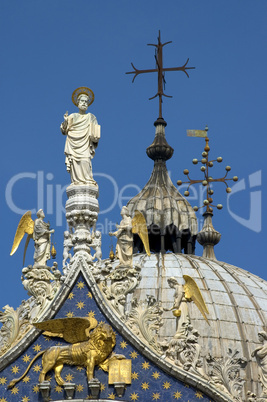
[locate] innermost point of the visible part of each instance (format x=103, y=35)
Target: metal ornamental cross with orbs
x=206, y=165
x=161, y=71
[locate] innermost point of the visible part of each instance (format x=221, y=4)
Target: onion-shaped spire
x=208, y=237
x=160, y=149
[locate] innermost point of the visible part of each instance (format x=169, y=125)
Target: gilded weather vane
x=206, y=165
x=161, y=71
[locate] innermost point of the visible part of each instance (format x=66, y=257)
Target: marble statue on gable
x=42, y=239
x=83, y=134
x=124, y=234
x=41, y=234
x=261, y=356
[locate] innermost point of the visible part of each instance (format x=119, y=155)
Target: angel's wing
x=73, y=330
x=192, y=292
x=139, y=227
x=26, y=225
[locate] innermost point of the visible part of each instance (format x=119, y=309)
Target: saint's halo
x=85, y=91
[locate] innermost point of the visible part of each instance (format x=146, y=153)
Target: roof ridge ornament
x=161, y=71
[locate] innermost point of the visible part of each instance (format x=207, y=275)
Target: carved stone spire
x=208, y=237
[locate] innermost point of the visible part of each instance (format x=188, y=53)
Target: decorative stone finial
x=160, y=149
x=208, y=237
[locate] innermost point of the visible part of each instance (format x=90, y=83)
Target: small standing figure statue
x=42, y=239
x=124, y=234
x=180, y=308
x=96, y=245
x=124, y=248
x=183, y=295
x=83, y=134
x=67, y=246
x=41, y=234
x=261, y=356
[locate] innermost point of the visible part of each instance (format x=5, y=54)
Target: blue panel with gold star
x=149, y=383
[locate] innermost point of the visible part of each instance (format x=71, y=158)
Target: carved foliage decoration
x=145, y=320
x=15, y=325
x=185, y=352
x=41, y=283
x=117, y=284
x=225, y=373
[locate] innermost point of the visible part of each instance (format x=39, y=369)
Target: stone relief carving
x=251, y=397
x=145, y=320
x=15, y=325
x=225, y=373
x=185, y=352
x=260, y=353
x=42, y=284
x=118, y=283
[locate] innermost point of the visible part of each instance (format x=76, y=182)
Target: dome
x=236, y=301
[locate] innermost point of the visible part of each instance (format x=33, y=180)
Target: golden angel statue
x=41, y=234
x=184, y=294
x=91, y=344
x=124, y=234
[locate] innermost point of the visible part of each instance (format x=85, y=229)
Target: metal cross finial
x=161, y=71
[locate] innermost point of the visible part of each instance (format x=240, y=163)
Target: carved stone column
x=82, y=212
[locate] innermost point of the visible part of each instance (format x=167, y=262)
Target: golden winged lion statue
x=124, y=234
x=91, y=345
x=39, y=231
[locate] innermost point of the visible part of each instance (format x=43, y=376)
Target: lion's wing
x=73, y=330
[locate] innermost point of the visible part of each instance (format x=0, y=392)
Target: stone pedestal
x=94, y=386
x=119, y=388
x=82, y=212
x=45, y=389
x=69, y=389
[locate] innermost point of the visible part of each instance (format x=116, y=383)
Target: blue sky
x=49, y=48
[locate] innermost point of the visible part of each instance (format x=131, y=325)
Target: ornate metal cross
x=161, y=71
